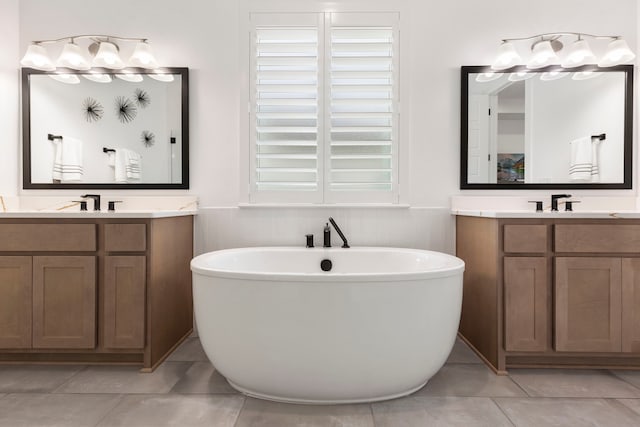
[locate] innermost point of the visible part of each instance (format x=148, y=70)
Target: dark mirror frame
x=26, y=133
x=628, y=132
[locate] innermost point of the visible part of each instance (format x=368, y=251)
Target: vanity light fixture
x=546, y=48
x=553, y=75
x=487, y=77
x=133, y=78
x=102, y=48
x=520, y=75
x=585, y=75
x=167, y=78
x=71, y=79
x=542, y=54
x=98, y=78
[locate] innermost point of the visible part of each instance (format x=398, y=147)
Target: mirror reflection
x=106, y=130
x=567, y=128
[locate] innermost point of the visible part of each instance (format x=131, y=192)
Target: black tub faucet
x=554, y=200
x=344, y=239
x=96, y=200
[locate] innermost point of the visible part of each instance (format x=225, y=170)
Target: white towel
x=581, y=159
x=595, y=169
x=67, y=162
x=127, y=165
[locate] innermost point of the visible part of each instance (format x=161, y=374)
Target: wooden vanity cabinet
x=551, y=292
x=108, y=291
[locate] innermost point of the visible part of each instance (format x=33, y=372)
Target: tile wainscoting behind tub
x=420, y=228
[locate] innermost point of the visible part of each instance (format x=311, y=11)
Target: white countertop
x=97, y=214
x=487, y=213
x=128, y=207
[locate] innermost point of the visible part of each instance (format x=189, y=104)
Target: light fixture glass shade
x=36, y=57
x=66, y=78
x=579, y=53
x=520, y=75
x=542, y=55
x=507, y=57
x=143, y=57
x=617, y=53
x=161, y=77
x=553, y=75
x=107, y=56
x=98, y=78
x=488, y=77
x=133, y=78
x=72, y=56
x=585, y=75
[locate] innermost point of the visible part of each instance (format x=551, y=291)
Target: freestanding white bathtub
x=375, y=327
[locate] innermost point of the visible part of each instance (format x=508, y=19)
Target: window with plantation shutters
x=324, y=108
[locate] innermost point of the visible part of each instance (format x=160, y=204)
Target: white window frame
x=323, y=196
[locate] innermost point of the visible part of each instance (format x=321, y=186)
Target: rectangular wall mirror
x=551, y=128
x=105, y=129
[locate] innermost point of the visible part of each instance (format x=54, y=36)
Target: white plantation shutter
x=362, y=137
x=323, y=110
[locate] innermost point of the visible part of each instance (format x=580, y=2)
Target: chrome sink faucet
x=554, y=200
x=96, y=200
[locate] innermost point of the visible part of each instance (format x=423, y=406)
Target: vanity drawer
x=47, y=237
x=125, y=237
x=618, y=238
x=525, y=238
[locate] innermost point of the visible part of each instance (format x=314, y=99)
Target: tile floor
x=187, y=391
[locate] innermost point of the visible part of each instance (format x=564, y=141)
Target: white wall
x=9, y=99
x=204, y=35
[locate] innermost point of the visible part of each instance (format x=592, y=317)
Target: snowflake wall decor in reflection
x=93, y=110
x=148, y=138
x=125, y=109
x=142, y=98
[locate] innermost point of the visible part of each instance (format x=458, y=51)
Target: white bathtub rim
x=456, y=268
x=283, y=399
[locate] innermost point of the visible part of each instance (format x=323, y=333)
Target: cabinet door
x=526, y=300
x=124, y=301
x=15, y=301
x=588, y=304
x=631, y=305
x=64, y=301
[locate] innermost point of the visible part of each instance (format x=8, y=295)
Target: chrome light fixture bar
x=547, y=49
x=103, y=51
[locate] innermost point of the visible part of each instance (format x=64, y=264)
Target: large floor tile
x=202, y=378
x=125, y=379
x=174, y=410
x=262, y=413
x=461, y=353
x=469, y=380
x=572, y=383
x=633, y=404
x=64, y=410
x=632, y=377
x=439, y=411
x=567, y=412
x=189, y=351
x=34, y=378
